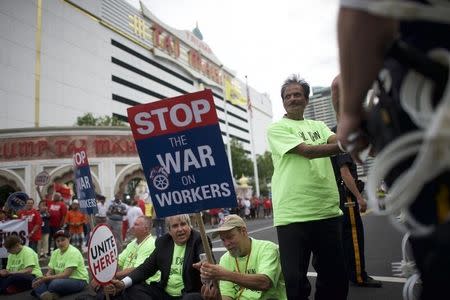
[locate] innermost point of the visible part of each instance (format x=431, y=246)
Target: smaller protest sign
x=16, y=201
x=42, y=178
x=103, y=254
x=83, y=182
x=13, y=227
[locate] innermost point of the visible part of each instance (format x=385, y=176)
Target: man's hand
x=362, y=204
x=210, y=292
x=212, y=272
x=37, y=282
x=4, y=273
x=114, y=288
x=198, y=265
x=350, y=136
x=95, y=285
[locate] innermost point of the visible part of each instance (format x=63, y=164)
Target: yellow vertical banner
x=233, y=93
x=149, y=209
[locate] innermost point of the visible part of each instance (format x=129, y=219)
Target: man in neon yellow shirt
x=67, y=273
x=249, y=270
x=305, y=198
x=22, y=267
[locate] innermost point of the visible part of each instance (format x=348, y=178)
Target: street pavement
x=382, y=247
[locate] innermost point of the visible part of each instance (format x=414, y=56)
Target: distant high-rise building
x=320, y=106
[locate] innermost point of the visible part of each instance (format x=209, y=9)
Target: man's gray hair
x=295, y=79
x=148, y=223
x=183, y=217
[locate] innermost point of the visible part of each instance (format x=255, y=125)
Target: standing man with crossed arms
x=305, y=199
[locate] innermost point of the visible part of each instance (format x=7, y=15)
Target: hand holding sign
x=83, y=179
x=114, y=287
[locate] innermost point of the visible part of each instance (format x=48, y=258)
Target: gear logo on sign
x=159, y=178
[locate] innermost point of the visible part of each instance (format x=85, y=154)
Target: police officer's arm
x=349, y=182
x=316, y=151
x=363, y=40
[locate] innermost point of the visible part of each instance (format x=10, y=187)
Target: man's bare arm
x=363, y=40
x=317, y=151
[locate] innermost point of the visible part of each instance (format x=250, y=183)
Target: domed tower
x=196, y=31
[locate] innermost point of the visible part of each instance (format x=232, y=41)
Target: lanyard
x=241, y=289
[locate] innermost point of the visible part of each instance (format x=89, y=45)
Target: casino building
x=62, y=59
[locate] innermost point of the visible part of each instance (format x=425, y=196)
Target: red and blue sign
x=83, y=182
x=182, y=153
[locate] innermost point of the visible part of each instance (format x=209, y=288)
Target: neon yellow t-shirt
x=175, y=283
x=302, y=189
x=264, y=259
x=72, y=258
x=135, y=254
x=148, y=209
x=24, y=259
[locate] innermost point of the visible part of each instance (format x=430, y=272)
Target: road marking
x=381, y=278
x=313, y=274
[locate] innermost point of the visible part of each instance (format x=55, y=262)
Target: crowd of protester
x=57, y=225
x=58, y=235
x=247, y=208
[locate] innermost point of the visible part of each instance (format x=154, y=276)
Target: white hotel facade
x=60, y=59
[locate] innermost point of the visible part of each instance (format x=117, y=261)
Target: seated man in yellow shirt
x=250, y=269
x=22, y=267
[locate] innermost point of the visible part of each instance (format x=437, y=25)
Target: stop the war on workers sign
x=83, y=179
x=182, y=153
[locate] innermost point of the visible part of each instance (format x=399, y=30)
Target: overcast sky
x=264, y=39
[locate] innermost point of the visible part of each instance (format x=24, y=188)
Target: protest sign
x=83, y=182
x=16, y=201
x=17, y=227
x=182, y=153
x=103, y=254
x=42, y=178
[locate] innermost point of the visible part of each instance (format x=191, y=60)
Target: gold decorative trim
x=37, y=65
x=108, y=25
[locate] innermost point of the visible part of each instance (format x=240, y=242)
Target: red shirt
x=214, y=211
x=141, y=204
x=34, y=218
x=267, y=204
x=57, y=211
